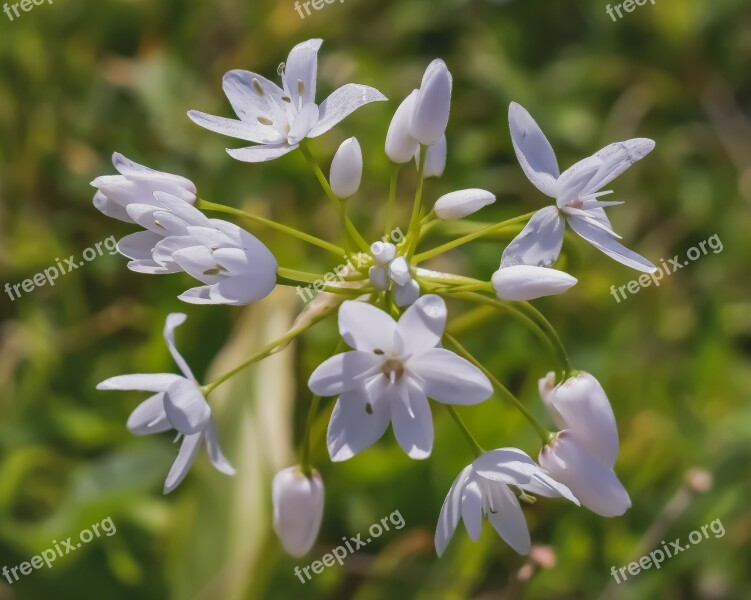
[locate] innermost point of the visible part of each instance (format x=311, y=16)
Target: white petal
x=449, y=378
x=151, y=267
x=300, y=72
x=298, y=509
x=246, y=288
x=508, y=520
x=341, y=103
x=450, y=512
x=400, y=145
x=346, y=169
x=198, y=295
x=383, y=252
x=399, y=271
x=249, y=104
x=421, y=326
x=539, y=243
x=462, y=203
x=173, y=321
x=575, y=179
x=405, y=295
x=149, y=417
x=356, y=424
x=304, y=121
x=412, y=421
x=472, y=509
x=150, y=382
x=183, y=462
x=186, y=407
x=379, y=277
x=129, y=167
x=110, y=208
x=215, y=453
x=535, y=154
x=618, y=157
x=592, y=482
x=431, y=112
x=526, y=282
x=605, y=243
x=164, y=250
x=435, y=158
x=260, y=153
x=242, y=130
x=138, y=245
x=342, y=372
x=365, y=327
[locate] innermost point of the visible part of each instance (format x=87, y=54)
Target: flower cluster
x=391, y=311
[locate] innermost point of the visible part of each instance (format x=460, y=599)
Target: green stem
x=269, y=349
x=301, y=235
x=544, y=434
x=548, y=327
x=391, y=206
x=413, y=231
x=432, y=253
x=305, y=466
x=348, y=225
x=476, y=448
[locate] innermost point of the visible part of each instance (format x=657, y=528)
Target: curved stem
x=469, y=237
x=544, y=434
x=476, y=448
x=301, y=235
x=348, y=225
x=548, y=327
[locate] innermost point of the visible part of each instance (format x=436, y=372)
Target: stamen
x=369, y=408
x=281, y=69
x=287, y=99
x=393, y=369
x=378, y=351
x=215, y=271
x=258, y=87
x=300, y=87
x=264, y=121
x=158, y=224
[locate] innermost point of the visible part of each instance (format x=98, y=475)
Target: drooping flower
x=462, y=203
x=278, y=119
x=393, y=272
x=527, y=282
x=583, y=454
x=575, y=191
x=389, y=376
x=346, y=169
x=298, y=509
x=179, y=404
x=136, y=185
x=483, y=489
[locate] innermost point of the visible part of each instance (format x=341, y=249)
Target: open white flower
x=278, y=119
x=177, y=404
x=575, y=191
x=394, y=368
x=394, y=273
x=483, y=489
x=298, y=509
x=136, y=185
x=584, y=452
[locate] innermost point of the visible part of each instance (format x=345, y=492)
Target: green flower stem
x=269, y=349
x=391, y=206
x=348, y=225
x=476, y=448
x=305, y=465
x=447, y=278
x=301, y=235
x=472, y=319
x=469, y=237
x=550, y=330
x=413, y=232
x=545, y=435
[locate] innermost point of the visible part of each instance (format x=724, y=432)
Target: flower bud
x=431, y=112
x=383, y=252
x=527, y=282
x=462, y=203
x=298, y=509
x=595, y=484
x=435, y=159
x=400, y=145
x=346, y=169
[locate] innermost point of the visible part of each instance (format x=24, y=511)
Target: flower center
x=393, y=369
x=578, y=203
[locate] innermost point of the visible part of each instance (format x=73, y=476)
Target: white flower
x=527, y=282
x=136, y=184
x=346, y=169
x=177, y=404
x=576, y=193
x=583, y=454
x=298, y=509
x=462, y=203
x=278, y=119
x=432, y=104
x=234, y=266
x=393, y=272
x=435, y=158
x=483, y=489
x=400, y=145
x=393, y=370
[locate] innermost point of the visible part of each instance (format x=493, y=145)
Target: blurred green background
x=81, y=79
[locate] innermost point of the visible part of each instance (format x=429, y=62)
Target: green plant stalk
x=545, y=435
x=548, y=327
x=348, y=225
x=305, y=465
x=391, y=206
x=301, y=235
x=476, y=448
x=413, y=231
x=438, y=250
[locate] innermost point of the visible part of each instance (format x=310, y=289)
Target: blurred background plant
x=82, y=79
